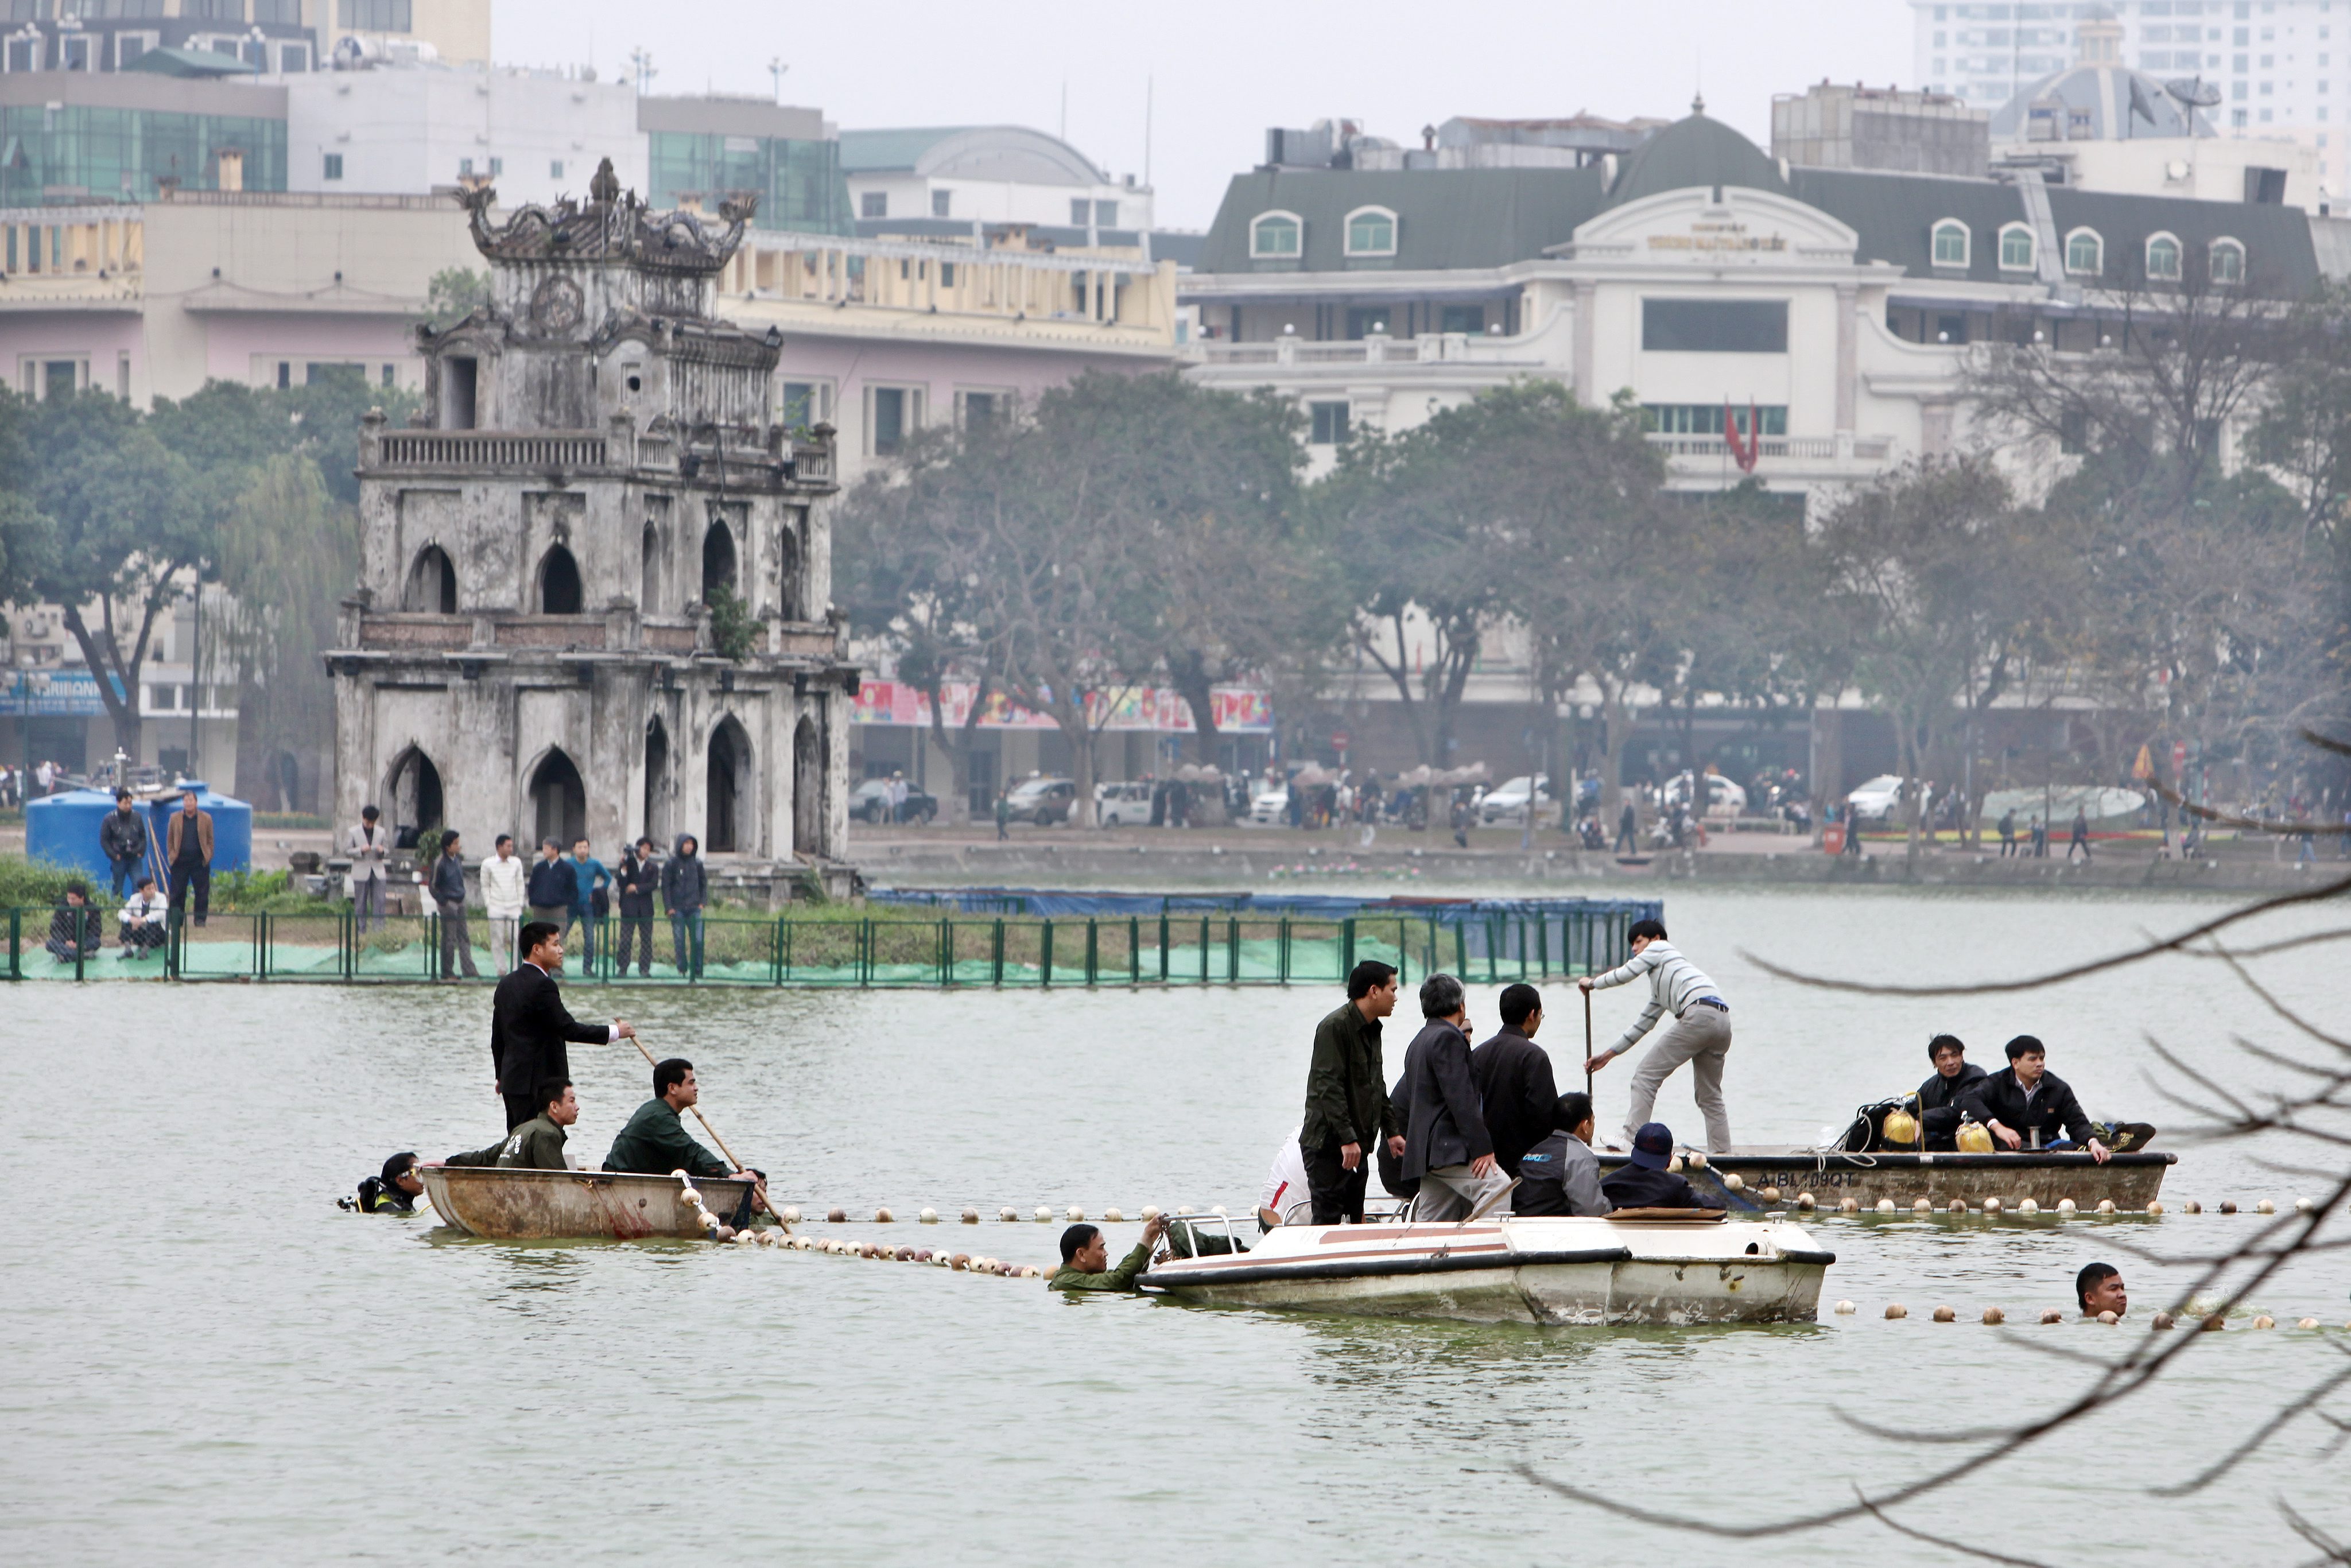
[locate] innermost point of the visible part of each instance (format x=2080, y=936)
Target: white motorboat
x=1637, y=1266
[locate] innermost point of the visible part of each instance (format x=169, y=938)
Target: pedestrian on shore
x=530, y=1027
x=1447, y=1147
x=589, y=900
x=551, y=886
x=1347, y=1110
x=74, y=929
x=142, y=920
x=2040, y=840
x=189, y=853
x=122, y=839
x=506, y=894
x=368, y=845
x=447, y=886
x=1628, y=830
x=639, y=880
x=1700, y=1034
x=2081, y=839
x=2008, y=833
x=1003, y=815
x=686, y=888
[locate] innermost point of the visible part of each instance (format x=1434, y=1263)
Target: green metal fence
x=1171, y=948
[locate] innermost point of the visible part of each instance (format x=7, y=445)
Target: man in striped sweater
x=1700, y=1034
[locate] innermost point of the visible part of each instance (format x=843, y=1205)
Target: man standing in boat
x=1446, y=1148
x=1521, y=1098
x=530, y=1027
x=1700, y=1034
x=1347, y=1109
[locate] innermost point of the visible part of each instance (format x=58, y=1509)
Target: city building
x=274, y=36
x=2273, y=63
x=69, y=137
x=987, y=174
x=412, y=129
x=594, y=597
x=1834, y=126
x=701, y=150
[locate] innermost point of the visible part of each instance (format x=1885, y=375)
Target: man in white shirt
x=1285, y=1186
x=143, y=920
x=504, y=877
x=1700, y=1034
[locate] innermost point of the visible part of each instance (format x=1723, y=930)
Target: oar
x=1587, y=1045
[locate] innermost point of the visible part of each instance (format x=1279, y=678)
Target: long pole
x=698, y=1116
x=1587, y=1045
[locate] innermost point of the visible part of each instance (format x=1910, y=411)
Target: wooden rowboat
x=2131, y=1180
x=510, y=1204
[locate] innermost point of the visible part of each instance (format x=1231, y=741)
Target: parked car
x=1123, y=804
x=869, y=802
x=1507, y=801
x=1723, y=798
x=1270, y=804
x=1043, y=801
x=1879, y=799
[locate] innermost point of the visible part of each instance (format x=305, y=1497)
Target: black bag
x=1401, y=1187
x=601, y=901
x=1867, y=1130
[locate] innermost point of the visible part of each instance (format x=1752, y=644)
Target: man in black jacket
x=528, y=1025
x=1560, y=1175
x=1446, y=1145
x=1643, y=1182
x=1943, y=1097
x=1514, y=1079
x=448, y=887
x=122, y=839
x=640, y=878
x=2025, y=1098
x=1348, y=1115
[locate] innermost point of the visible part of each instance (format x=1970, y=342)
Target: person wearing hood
x=686, y=888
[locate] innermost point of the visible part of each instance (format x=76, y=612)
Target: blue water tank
x=62, y=829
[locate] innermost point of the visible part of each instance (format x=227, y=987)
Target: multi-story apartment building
x=987, y=174
x=271, y=36
x=2278, y=67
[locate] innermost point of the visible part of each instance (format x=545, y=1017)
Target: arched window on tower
x=559, y=591
x=718, y=560
x=432, y=587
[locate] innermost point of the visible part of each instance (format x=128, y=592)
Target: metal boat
x=2132, y=1180
x=511, y=1205
x=1638, y=1266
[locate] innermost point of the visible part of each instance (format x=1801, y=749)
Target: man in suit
x=188, y=851
x=1514, y=1079
x=2025, y=1098
x=1445, y=1147
x=369, y=846
x=528, y=1025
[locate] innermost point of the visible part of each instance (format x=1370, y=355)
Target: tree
x=122, y=527
x=1939, y=580
x=454, y=294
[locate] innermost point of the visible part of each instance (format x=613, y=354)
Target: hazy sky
x=1221, y=71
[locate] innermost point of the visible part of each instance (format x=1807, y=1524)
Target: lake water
x=207, y=1362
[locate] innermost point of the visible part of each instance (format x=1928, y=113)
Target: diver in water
x=394, y=1192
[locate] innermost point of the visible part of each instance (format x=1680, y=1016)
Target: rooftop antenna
x=1147, y=85
x=776, y=69
x=1065, y=109
x=1697, y=79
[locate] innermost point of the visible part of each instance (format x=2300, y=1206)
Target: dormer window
x=1950, y=238
x=1371, y=231
x=2162, y=257
x=1276, y=236
x=2085, y=253
x=2015, y=248
x=2226, y=258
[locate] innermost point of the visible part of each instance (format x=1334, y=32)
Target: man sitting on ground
x=1560, y=1175
x=1085, y=1258
x=2025, y=1098
x=74, y=930
x=1940, y=1097
x=2099, y=1288
x=143, y=920
x=1643, y=1182
x=537, y=1144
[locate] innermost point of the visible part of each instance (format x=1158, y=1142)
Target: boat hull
x=2132, y=1181
x=1570, y=1272
x=510, y=1204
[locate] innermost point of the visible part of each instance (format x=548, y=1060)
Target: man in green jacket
x=1347, y=1107
x=1085, y=1258
x=537, y=1144
x=656, y=1141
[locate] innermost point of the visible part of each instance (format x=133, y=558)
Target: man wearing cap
x=1700, y=1034
x=1446, y=1145
x=1643, y=1182
x=1560, y=1175
x=122, y=839
x=1085, y=1258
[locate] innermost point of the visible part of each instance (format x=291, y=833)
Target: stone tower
x=594, y=583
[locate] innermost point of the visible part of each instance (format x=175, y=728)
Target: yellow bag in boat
x=1975, y=1138
x=1900, y=1130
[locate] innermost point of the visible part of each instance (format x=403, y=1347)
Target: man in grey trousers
x=1700, y=1034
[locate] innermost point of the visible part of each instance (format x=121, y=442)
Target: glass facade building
x=75, y=153
x=801, y=184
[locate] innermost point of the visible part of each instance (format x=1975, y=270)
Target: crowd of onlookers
x=18, y=785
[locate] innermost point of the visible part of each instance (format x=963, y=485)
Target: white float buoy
x=836, y=1216
x=1008, y=1215
x=1770, y=1194
x=1150, y=1211
x=1956, y=1206
x=2108, y=1318
x=2066, y=1206
x=2228, y=1205
x=1946, y=1315
x=2163, y=1321
x=2265, y=1207
x=2191, y=1207
x=1734, y=1182
x=2304, y=1206
x=691, y=1198
x=792, y=1213
x=1698, y=1159
x=2154, y=1206
x=1075, y=1213
x=1922, y=1205
x=1044, y=1215
x=1674, y=1166
x=2051, y=1315
x=2307, y=1323
x=2265, y=1321
x=883, y=1217
x=1848, y=1204
x=1884, y=1206
x=1218, y=1210
x=1992, y=1206
x=2106, y=1206
x=1845, y=1309
x=971, y=1217
x=1896, y=1310
x=928, y=1216
x=1804, y=1200
x=1113, y=1216
x=2030, y=1206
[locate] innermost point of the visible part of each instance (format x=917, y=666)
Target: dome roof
x=2102, y=103
x=1690, y=152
